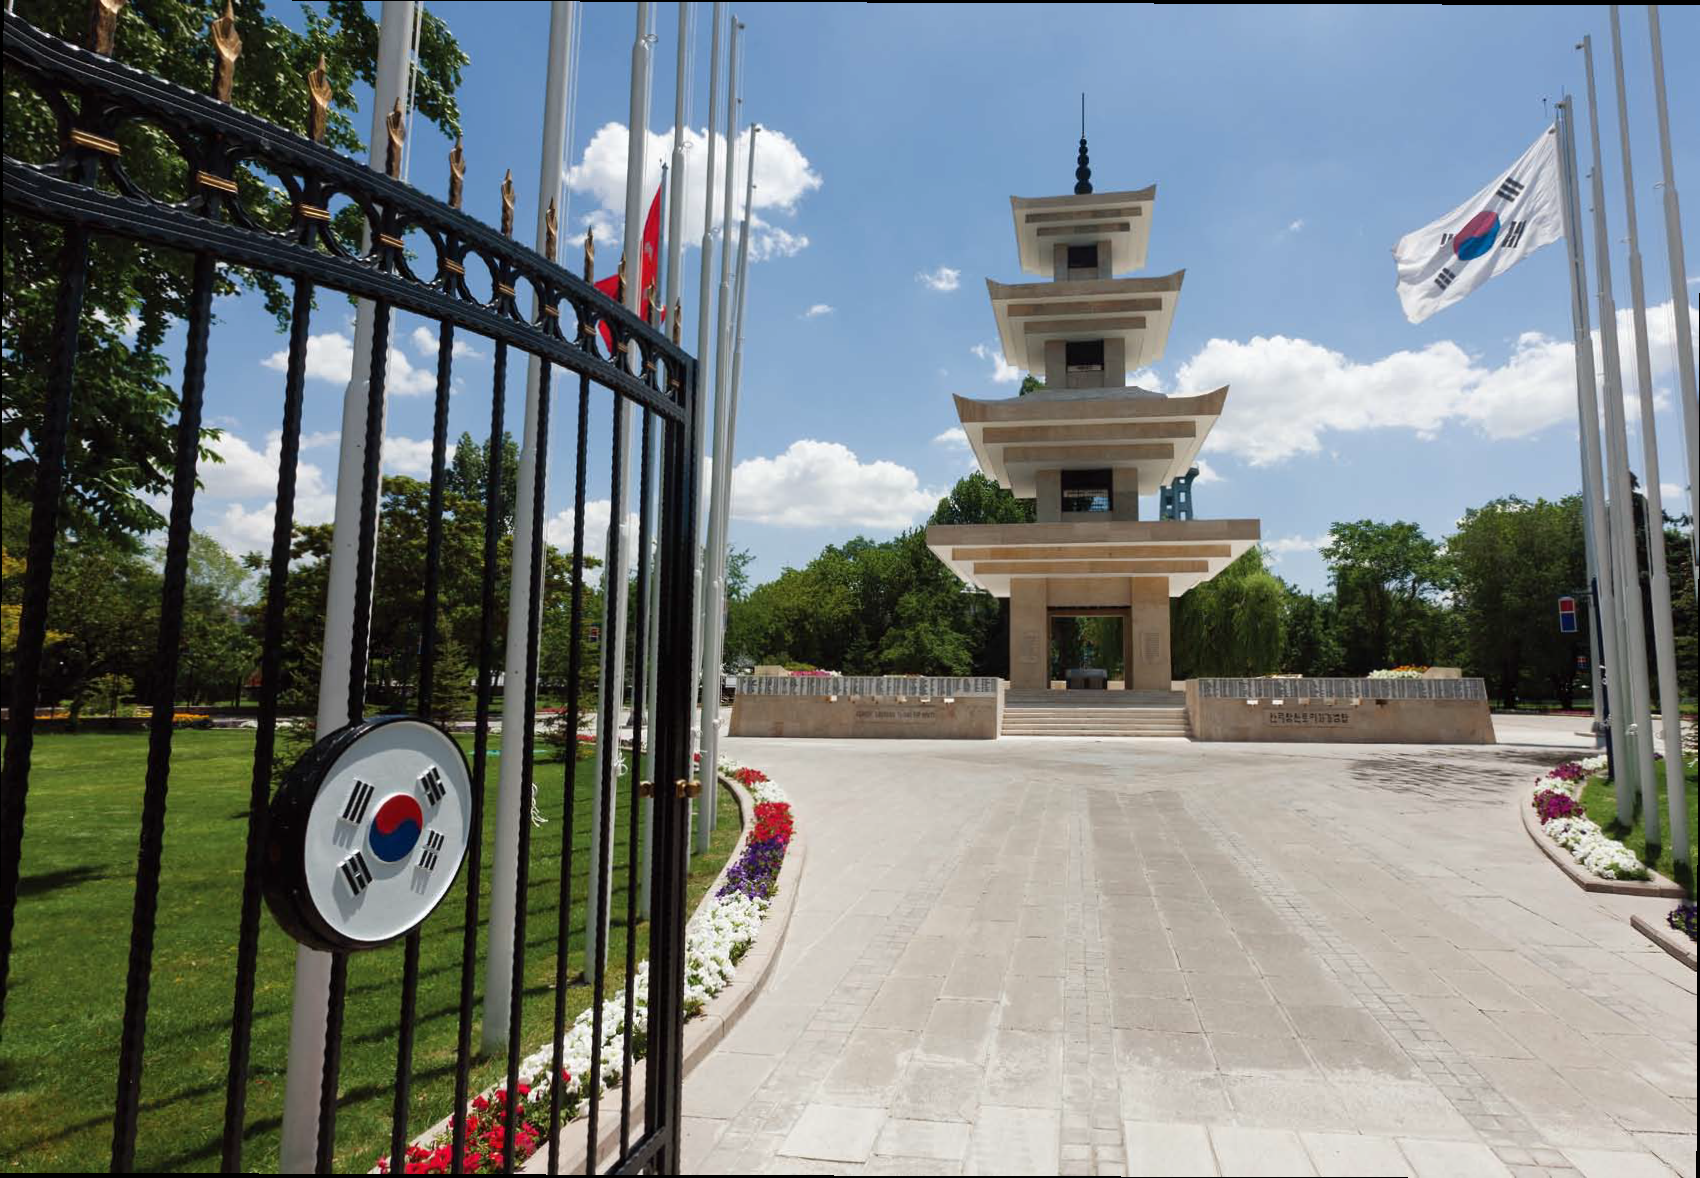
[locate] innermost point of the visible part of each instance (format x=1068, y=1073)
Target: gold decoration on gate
x=227, y=47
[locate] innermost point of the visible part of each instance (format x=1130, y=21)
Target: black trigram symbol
x=1444, y=279
x=358, y=799
x=1513, y=234
x=1446, y=238
x=433, y=844
x=1510, y=189
x=355, y=871
x=432, y=783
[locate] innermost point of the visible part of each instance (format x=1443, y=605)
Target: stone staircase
x=1095, y=713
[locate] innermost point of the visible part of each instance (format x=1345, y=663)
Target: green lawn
x=1600, y=802
x=58, y=1059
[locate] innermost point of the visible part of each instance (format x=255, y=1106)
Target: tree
x=977, y=499
x=121, y=445
x=218, y=651
x=104, y=602
x=1232, y=624
x=1386, y=578
x=1311, y=645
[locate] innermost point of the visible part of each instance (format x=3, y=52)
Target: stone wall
x=1340, y=711
x=869, y=707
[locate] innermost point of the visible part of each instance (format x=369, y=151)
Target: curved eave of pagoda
x=1088, y=429
x=1137, y=311
x=1186, y=552
x=1121, y=218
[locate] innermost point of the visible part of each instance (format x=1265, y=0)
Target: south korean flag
x=1515, y=215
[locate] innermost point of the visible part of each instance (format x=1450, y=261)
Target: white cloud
x=815, y=484
x=1207, y=474
x=1287, y=544
x=1673, y=494
x=1289, y=393
x=411, y=456
x=817, y=310
x=783, y=178
x=330, y=357
x=941, y=278
x=1003, y=372
x=1296, y=225
x=954, y=438
x=425, y=343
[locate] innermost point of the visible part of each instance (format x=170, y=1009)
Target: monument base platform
x=1340, y=711
x=869, y=707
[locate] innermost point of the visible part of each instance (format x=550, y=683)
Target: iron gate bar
x=606, y=789
x=265, y=739
x=169, y=650
x=493, y=488
x=243, y=137
x=638, y=685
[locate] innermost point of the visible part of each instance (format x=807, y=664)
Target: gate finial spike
x=550, y=230
x=457, y=174
x=318, y=102
x=227, y=47
x=620, y=285
x=589, y=253
x=678, y=314
x=395, y=130
x=103, y=25
x=508, y=204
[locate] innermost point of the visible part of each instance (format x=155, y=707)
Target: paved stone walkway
x=1048, y=956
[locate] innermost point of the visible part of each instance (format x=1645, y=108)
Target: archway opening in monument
x=1086, y=645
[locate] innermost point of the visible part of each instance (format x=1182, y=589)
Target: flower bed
x=715, y=941
x=1563, y=821
x=1681, y=918
x=1405, y=672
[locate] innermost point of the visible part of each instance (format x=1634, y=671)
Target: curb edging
x=1668, y=939
x=1657, y=886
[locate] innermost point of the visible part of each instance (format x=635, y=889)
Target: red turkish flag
x=610, y=286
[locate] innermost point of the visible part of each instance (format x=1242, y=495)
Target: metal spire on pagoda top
x=1083, y=166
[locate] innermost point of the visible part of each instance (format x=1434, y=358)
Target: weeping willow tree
x=1232, y=625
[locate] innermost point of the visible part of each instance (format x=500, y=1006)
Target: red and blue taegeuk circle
x=1477, y=236
x=395, y=828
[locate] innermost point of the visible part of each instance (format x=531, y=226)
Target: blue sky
x=1290, y=149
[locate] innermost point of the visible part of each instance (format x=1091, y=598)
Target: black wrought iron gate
x=85, y=192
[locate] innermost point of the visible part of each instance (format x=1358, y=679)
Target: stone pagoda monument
x=1087, y=445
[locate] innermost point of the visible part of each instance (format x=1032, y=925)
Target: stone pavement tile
x=1170, y=1050
x=769, y=1027
x=903, y=1003
x=834, y=1133
x=1468, y=1029
x=1514, y=967
x=1413, y=980
x=1025, y=1070
x=1603, y=1163
x=723, y=1083
x=989, y=938
x=877, y=903
x=1227, y=989
x=1144, y=950
x=1390, y=1108
x=1152, y=1014
x=1344, y=1061
x=1550, y=1040
x=1039, y=956
x=1452, y=1159
x=1632, y=1101
x=1675, y=1149
x=1352, y=1155
x=940, y=1140
x=1014, y=1141
x=1254, y=1054
x=1564, y=1115
x=697, y=1138
x=1169, y=1149
x=1487, y=991
x=960, y=1018
x=1336, y=1023
x=1259, y=1151
x=1148, y=983
x=974, y=976
x=1213, y=960
x=1580, y=1011
x=927, y=957
x=869, y=1067
x=1668, y=1066
x=1243, y=1018
x=788, y=1165
x=1433, y=953
x=899, y=1164
x=1153, y=1095
x=1041, y=920
x=1032, y=1004
x=938, y=1090
x=1281, y=1102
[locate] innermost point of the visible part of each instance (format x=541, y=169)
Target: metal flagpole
x=707, y=769
x=616, y=572
x=713, y=597
x=1588, y=420
x=1635, y=762
x=651, y=606
x=511, y=807
x=1685, y=388
x=1664, y=640
x=305, y=1076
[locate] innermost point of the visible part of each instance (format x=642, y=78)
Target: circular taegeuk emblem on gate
x=367, y=833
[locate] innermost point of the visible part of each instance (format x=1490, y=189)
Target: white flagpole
x=713, y=597
x=1600, y=553
x=1634, y=764
x=511, y=806
x=1664, y=640
x=305, y=1075
x=616, y=573
x=1685, y=390
x=700, y=414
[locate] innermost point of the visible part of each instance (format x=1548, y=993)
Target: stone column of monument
x=1087, y=445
